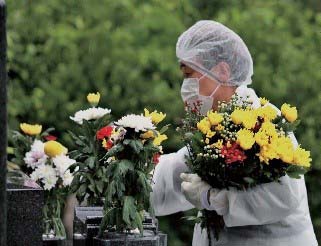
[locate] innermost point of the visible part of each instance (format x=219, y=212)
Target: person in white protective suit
x=216, y=63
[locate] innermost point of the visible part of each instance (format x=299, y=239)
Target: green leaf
x=164, y=129
x=249, y=180
x=90, y=162
x=123, y=166
x=136, y=145
x=113, y=151
x=100, y=186
x=129, y=209
x=294, y=171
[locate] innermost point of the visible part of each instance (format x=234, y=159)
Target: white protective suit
x=270, y=214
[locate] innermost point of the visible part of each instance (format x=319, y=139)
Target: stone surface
x=3, y=125
x=24, y=215
x=86, y=226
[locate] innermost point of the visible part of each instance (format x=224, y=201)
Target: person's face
x=206, y=85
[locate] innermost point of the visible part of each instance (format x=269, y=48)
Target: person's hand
x=194, y=188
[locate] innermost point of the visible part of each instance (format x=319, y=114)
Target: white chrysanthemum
x=36, y=156
x=67, y=178
x=137, y=122
x=62, y=163
x=90, y=114
x=47, y=174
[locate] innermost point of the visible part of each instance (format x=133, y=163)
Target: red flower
x=104, y=132
x=108, y=145
x=156, y=158
x=50, y=138
x=233, y=153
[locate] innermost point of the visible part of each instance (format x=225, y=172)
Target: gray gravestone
x=24, y=215
x=3, y=125
x=86, y=226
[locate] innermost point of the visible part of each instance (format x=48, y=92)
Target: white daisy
x=62, y=163
x=36, y=156
x=90, y=114
x=47, y=174
x=67, y=178
x=137, y=122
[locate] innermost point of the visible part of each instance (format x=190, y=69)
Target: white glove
x=194, y=189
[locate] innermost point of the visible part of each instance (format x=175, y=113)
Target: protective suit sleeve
x=263, y=204
x=166, y=197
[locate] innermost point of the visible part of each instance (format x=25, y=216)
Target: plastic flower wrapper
x=46, y=162
x=241, y=146
x=90, y=179
x=132, y=146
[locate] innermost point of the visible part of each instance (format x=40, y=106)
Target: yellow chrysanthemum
x=219, y=127
x=214, y=118
x=155, y=116
x=31, y=129
x=218, y=144
x=267, y=153
x=245, y=139
x=54, y=148
x=210, y=134
x=267, y=112
x=204, y=125
x=263, y=101
x=147, y=135
x=290, y=113
x=284, y=148
x=207, y=140
x=249, y=119
x=159, y=139
x=269, y=128
x=237, y=116
x=301, y=157
x=261, y=138
x=93, y=98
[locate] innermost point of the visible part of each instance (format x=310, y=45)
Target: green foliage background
x=58, y=51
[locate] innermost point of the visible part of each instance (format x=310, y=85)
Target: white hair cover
x=207, y=43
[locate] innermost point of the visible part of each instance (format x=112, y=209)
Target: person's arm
x=167, y=197
x=263, y=204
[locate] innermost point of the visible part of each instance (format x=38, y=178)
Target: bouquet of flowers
x=114, y=161
x=90, y=178
x=46, y=162
x=241, y=146
x=132, y=147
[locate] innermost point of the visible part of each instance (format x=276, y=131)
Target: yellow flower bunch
x=290, y=113
x=31, y=129
x=155, y=116
x=54, y=148
x=93, y=98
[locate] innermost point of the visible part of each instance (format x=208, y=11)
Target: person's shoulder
x=175, y=156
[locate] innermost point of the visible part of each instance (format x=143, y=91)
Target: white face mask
x=190, y=94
